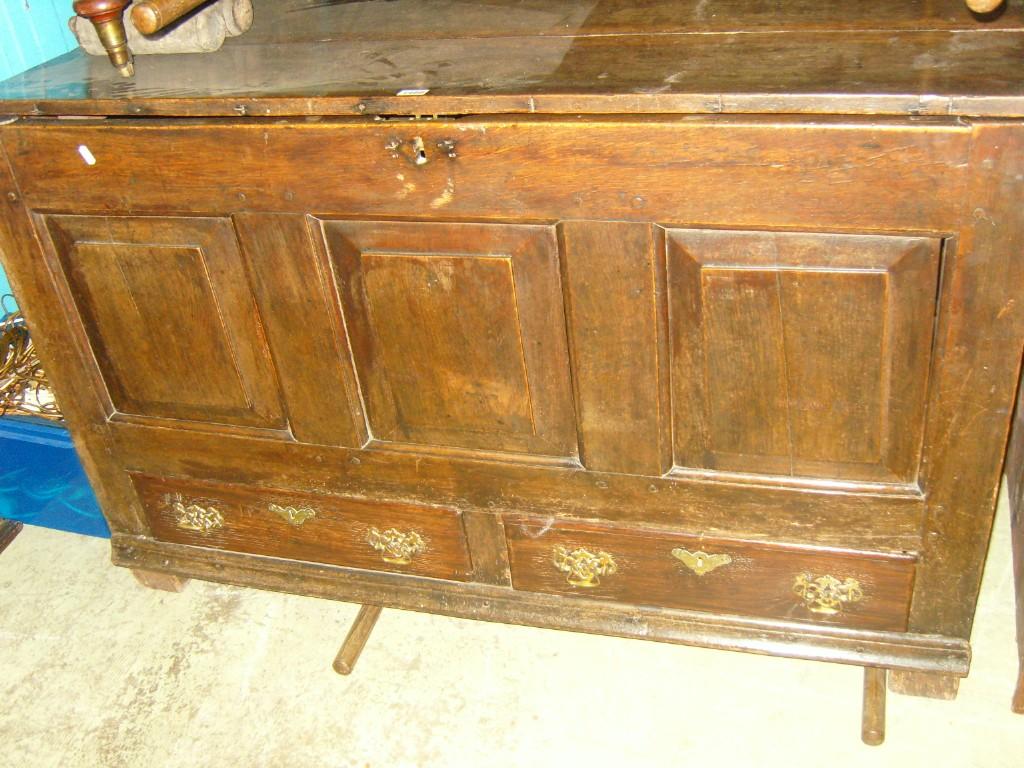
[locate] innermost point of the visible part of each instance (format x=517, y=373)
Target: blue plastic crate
x=41, y=480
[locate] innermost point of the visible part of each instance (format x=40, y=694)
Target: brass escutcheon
x=193, y=517
x=292, y=515
x=584, y=568
x=700, y=562
x=826, y=594
x=396, y=546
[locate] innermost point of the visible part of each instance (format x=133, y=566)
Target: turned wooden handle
x=983, y=6
x=151, y=16
x=105, y=16
x=100, y=10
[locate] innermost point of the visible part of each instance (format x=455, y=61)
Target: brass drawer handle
x=292, y=515
x=584, y=568
x=700, y=562
x=396, y=546
x=194, y=517
x=826, y=594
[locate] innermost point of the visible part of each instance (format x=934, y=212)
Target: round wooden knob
x=151, y=16
x=105, y=16
x=93, y=9
x=983, y=6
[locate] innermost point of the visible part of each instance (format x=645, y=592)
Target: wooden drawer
x=643, y=567
x=426, y=541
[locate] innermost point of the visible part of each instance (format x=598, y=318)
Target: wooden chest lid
x=425, y=57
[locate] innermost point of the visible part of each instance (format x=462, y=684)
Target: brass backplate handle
x=292, y=515
x=826, y=594
x=700, y=562
x=583, y=567
x=195, y=517
x=396, y=546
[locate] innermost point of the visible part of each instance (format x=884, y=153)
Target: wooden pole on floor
x=872, y=729
x=347, y=657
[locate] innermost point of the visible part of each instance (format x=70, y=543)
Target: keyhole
x=419, y=150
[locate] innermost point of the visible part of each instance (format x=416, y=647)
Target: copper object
x=24, y=387
x=107, y=17
x=150, y=16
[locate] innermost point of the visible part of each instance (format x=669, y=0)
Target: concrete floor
x=98, y=671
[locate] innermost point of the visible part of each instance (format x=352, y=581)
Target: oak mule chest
x=627, y=318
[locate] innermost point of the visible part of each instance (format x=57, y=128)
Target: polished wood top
x=338, y=57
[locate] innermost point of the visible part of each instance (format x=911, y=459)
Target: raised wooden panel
x=800, y=354
x=458, y=333
x=615, y=286
x=166, y=307
x=303, y=327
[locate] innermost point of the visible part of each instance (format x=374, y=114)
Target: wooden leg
x=1018, y=696
x=872, y=728
x=165, y=582
x=347, y=657
x=933, y=685
x=9, y=529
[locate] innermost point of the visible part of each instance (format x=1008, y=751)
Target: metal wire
x=24, y=387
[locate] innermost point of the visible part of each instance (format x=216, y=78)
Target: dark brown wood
x=485, y=536
x=9, y=530
x=568, y=57
x=54, y=335
x=534, y=341
x=979, y=303
x=622, y=387
x=356, y=639
x=450, y=18
x=303, y=332
x=872, y=730
x=171, y=291
x=932, y=685
x=320, y=529
x=751, y=172
x=755, y=580
x=798, y=354
x=457, y=332
x=164, y=582
x=829, y=516
x=893, y=650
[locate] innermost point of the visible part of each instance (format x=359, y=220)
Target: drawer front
x=425, y=541
x=724, y=576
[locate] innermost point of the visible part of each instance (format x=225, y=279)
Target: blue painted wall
x=31, y=32
x=5, y=289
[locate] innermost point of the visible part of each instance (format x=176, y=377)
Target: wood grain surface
x=305, y=57
x=337, y=533
x=758, y=581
